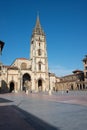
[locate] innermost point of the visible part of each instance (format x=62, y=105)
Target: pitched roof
x=21, y=58
x=77, y=71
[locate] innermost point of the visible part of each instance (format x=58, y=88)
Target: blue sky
x=65, y=25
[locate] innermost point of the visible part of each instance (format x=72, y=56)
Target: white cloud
x=60, y=70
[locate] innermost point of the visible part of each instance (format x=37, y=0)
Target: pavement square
x=40, y=111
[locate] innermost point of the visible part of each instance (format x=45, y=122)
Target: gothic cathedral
x=29, y=74
x=32, y=74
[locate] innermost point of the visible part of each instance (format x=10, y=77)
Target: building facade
x=29, y=74
x=75, y=81
x=33, y=75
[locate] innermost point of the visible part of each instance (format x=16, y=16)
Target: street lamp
x=1, y=47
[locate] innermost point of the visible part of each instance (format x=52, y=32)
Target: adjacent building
x=76, y=81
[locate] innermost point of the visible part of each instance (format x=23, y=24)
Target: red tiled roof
x=22, y=58
x=75, y=71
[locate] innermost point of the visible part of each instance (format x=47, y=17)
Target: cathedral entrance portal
x=11, y=86
x=26, y=81
x=40, y=85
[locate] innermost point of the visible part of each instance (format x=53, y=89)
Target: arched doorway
x=3, y=88
x=11, y=86
x=40, y=84
x=77, y=86
x=83, y=86
x=80, y=87
x=26, y=79
x=72, y=87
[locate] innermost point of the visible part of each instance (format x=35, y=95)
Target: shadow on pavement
x=14, y=118
x=2, y=100
x=35, y=122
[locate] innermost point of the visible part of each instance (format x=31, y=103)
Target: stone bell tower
x=39, y=59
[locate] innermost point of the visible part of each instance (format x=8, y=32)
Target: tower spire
x=38, y=29
x=38, y=25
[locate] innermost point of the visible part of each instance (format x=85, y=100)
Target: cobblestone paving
x=41, y=111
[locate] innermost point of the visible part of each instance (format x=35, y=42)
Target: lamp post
x=1, y=47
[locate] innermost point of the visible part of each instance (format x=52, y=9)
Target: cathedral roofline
x=21, y=58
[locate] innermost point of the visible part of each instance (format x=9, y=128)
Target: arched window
x=39, y=83
x=23, y=66
x=39, y=52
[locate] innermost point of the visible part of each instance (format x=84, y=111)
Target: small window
x=85, y=62
x=39, y=66
x=39, y=43
x=86, y=74
x=32, y=42
x=39, y=52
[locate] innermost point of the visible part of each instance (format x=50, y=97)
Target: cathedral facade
x=29, y=74
x=33, y=74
